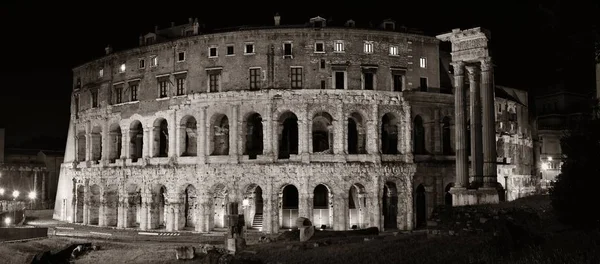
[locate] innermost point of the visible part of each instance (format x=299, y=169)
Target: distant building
x=27, y=171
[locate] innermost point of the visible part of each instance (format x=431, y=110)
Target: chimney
x=190, y=20
x=1, y=145
x=172, y=24
x=108, y=49
x=277, y=19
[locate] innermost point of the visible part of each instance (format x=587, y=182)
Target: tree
x=574, y=195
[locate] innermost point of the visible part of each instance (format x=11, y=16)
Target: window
x=142, y=64
x=230, y=50
x=119, y=94
x=423, y=62
x=339, y=46
x=249, y=48
x=368, y=47
x=254, y=78
x=368, y=82
x=393, y=50
x=397, y=82
x=101, y=73
x=320, y=47
x=423, y=84
x=162, y=89
x=154, y=61
x=212, y=52
x=180, y=82
x=122, y=68
x=287, y=49
x=213, y=81
x=134, y=92
x=94, y=98
x=340, y=80
x=322, y=84
x=296, y=77
x=322, y=64
x=181, y=56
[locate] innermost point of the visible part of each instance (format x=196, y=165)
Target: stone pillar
x=86, y=204
x=145, y=211
x=305, y=136
x=270, y=211
x=373, y=126
x=344, y=131
x=409, y=189
x=305, y=205
x=122, y=211
x=88, y=145
x=341, y=212
x=234, y=134
x=125, y=138
x=476, y=143
x=209, y=131
x=35, y=181
x=407, y=136
x=276, y=128
x=174, y=131
x=339, y=137
x=102, y=216
x=436, y=130
x=462, y=169
x=268, y=132
x=148, y=143
x=489, y=124
x=201, y=136
x=105, y=139
x=43, y=195
x=375, y=204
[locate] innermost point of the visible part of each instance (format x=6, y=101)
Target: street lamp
x=32, y=195
x=16, y=194
x=549, y=158
x=544, y=166
x=7, y=221
x=1, y=191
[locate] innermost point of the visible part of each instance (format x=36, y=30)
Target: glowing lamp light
x=32, y=195
x=544, y=166
x=7, y=220
x=245, y=202
x=549, y=158
x=16, y=193
x=122, y=67
x=1, y=191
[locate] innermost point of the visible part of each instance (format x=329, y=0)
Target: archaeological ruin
x=350, y=127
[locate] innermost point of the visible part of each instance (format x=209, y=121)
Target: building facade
x=349, y=127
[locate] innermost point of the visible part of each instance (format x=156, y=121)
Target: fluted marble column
x=476, y=143
x=489, y=124
x=462, y=170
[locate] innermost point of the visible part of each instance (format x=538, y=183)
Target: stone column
x=341, y=212
x=148, y=142
x=234, y=134
x=305, y=136
x=268, y=132
x=102, y=217
x=125, y=138
x=145, y=211
x=88, y=145
x=489, y=124
x=344, y=132
x=122, y=211
x=436, y=130
x=276, y=128
x=462, y=169
x=339, y=137
x=476, y=143
x=207, y=138
x=86, y=204
x=373, y=126
x=407, y=136
x=270, y=211
x=105, y=139
x=201, y=136
x=35, y=181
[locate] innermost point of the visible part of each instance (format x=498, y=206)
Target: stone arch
x=111, y=204
x=288, y=135
x=448, y=195
x=136, y=140
x=133, y=203
x=390, y=205
x=115, y=137
x=188, y=136
x=418, y=135
x=160, y=132
x=220, y=198
x=96, y=154
x=356, y=138
x=421, y=206
x=253, y=206
x=219, y=135
x=94, y=205
x=79, y=202
x=253, y=132
x=188, y=216
x=322, y=206
x=389, y=134
x=357, y=205
x=322, y=133
x=81, y=145
x=158, y=211
x=289, y=201
x=446, y=136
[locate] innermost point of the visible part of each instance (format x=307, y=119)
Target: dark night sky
x=43, y=41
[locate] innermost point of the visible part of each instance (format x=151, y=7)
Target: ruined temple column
x=35, y=181
x=476, y=137
x=125, y=138
x=489, y=124
x=201, y=136
x=462, y=169
x=234, y=134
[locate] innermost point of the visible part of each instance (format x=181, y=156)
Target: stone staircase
x=257, y=222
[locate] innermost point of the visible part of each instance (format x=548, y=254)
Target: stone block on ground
x=306, y=233
x=185, y=252
x=303, y=221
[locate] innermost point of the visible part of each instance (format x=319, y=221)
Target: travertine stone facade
x=344, y=126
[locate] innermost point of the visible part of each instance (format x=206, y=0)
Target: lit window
x=181, y=56
x=101, y=73
x=339, y=46
x=423, y=62
x=249, y=48
x=154, y=61
x=122, y=68
x=319, y=47
x=142, y=64
x=394, y=50
x=212, y=52
x=369, y=47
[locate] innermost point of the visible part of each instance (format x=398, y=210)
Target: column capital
x=472, y=72
x=458, y=67
x=486, y=64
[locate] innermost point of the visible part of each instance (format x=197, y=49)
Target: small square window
x=212, y=52
x=230, y=50
x=287, y=49
x=181, y=56
x=423, y=62
x=101, y=73
x=368, y=47
x=319, y=47
x=393, y=50
x=249, y=48
x=322, y=64
x=154, y=61
x=339, y=46
x=122, y=68
x=142, y=64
